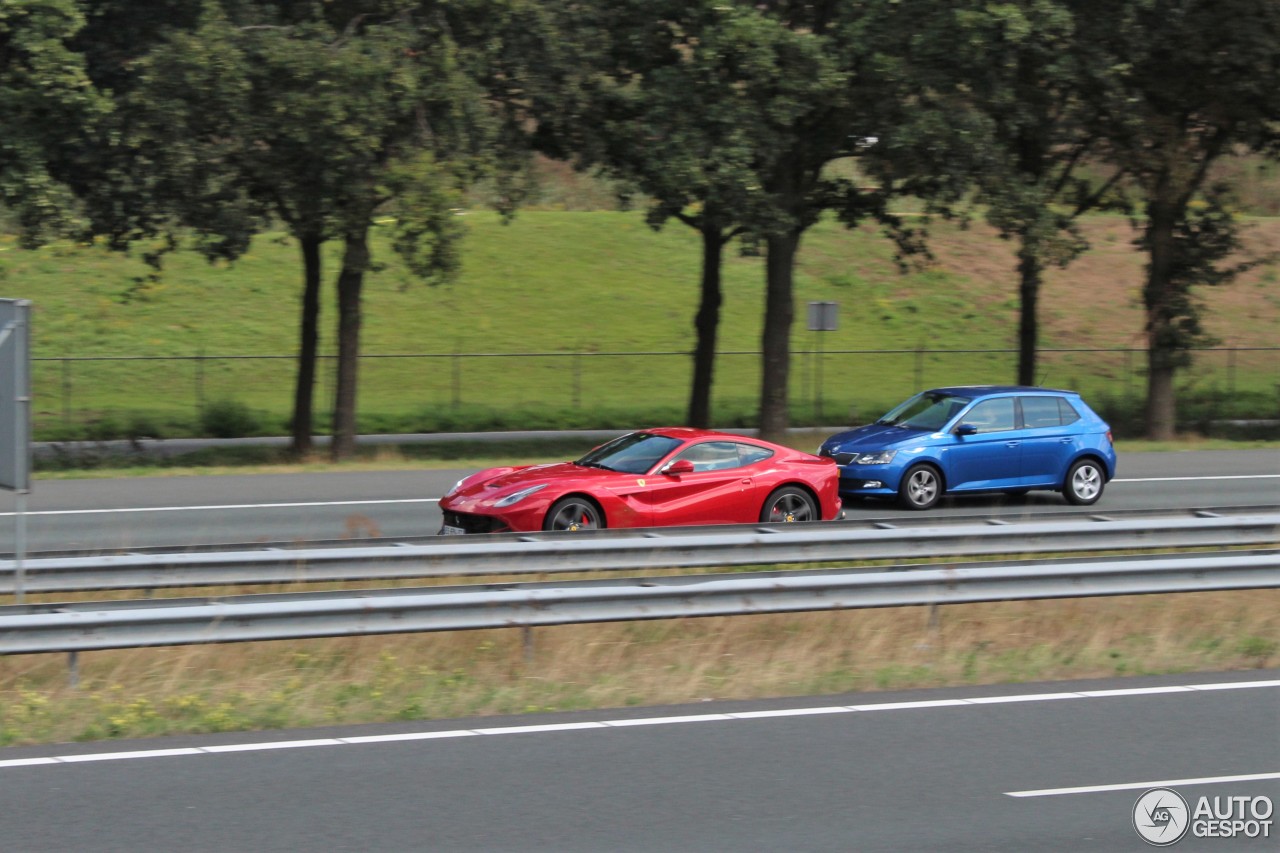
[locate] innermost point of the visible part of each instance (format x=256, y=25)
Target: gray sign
x=15, y=395
x=822, y=316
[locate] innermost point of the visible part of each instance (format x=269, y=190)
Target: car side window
x=1067, y=411
x=749, y=454
x=1040, y=412
x=991, y=415
x=714, y=456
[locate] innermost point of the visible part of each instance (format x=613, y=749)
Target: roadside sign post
x=15, y=420
x=822, y=318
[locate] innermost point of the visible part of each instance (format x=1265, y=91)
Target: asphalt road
x=140, y=512
x=1006, y=768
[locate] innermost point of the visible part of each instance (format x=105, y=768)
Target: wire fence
x=431, y=391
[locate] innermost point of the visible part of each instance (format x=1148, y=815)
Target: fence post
x=1231, y=372
x=577, y=380
x=919, y=366
x=200, y=383
x=66, y=393
x=457, y=380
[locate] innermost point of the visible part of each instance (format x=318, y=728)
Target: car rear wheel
x=921, y=487
x=1084, y=483
x=573, y=513
x=789, y=504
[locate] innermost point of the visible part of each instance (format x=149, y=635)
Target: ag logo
x=1161, y=817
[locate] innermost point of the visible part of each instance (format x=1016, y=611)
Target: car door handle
x=1065, y=440
x=1012, y=443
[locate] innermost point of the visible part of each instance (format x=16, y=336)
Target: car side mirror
x=966, y=429
x=678, y=467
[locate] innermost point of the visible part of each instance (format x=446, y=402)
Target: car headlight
x=456, y=486
x=516, y=497
x=880, y=457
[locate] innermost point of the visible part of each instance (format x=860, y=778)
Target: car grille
x=841, y=458
x=474, y=523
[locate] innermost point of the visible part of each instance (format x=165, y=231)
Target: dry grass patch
x=134, y=693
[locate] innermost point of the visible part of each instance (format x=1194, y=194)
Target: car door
x=1049, y=439
x=988, y=458
x=714, y=492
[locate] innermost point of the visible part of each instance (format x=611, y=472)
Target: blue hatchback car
x=988, y=438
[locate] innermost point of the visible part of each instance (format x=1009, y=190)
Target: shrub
x=229, y=419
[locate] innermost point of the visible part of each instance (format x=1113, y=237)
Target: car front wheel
x=1084, y=483
x=921, y=487
x=789, y=504
x=573, y=513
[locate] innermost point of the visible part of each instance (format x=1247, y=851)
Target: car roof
x=989, y=390
x=689, y=433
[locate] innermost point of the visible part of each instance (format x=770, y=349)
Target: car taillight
x=1110, y=440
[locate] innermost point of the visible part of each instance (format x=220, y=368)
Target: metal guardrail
x=449, y=557
x=105, y=625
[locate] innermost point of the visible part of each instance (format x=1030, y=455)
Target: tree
x=326, y=121
x=664, y=118
x=45, y=99
x=1018, y=77
x=1196, y=81
x=728, y=114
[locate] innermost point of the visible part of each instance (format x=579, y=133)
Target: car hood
x=498, y=480
x=873, y=437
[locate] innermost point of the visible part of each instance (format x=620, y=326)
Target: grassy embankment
x=603, y=281
x=553, y=284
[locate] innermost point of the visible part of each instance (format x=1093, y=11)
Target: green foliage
x=229, y=419
x=46, y=105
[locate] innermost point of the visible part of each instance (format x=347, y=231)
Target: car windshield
x=927, y=411
x=635, y=453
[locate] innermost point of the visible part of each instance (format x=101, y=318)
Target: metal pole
x=19, y=545
x=22, y=446
x=818, y=381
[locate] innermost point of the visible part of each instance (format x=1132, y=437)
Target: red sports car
x=648, y=478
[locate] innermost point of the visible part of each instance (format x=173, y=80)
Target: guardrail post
x=526, y=641
x=73, y=670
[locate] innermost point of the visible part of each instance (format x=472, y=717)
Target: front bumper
x=468, y=523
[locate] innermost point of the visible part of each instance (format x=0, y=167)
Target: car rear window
x=1041, y=412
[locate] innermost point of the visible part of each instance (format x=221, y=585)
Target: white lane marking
x=788, y=712
x=642, y=721
x=1184, y=479
x=1135, y=786
x=279, y=744
x=372, y=502
x=208, y=507
x=117, y=756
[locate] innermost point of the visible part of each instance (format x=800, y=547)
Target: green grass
x=577, y=320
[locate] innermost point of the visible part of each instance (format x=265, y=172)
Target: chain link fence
x=132, y=396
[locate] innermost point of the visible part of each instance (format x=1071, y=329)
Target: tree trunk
x=779, y=311
x=1162, y=353
x=355, y=261
x=706, y=324
x=308, y=346
x=1029, y=270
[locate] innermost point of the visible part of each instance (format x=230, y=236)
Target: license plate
x=446, y=530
